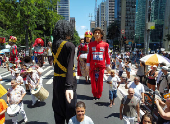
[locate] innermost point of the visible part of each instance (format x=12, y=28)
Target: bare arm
x=121, y=107
x=1, y=113
x=126, y=87
x=118, y=84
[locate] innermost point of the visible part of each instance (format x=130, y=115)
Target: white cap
x=165, y=68
x=155, y=66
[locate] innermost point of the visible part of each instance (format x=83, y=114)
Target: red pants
x=97, y=87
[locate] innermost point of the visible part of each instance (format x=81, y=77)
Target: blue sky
x=80, y=9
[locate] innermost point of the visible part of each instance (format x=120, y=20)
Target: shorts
x=128, y=69
x=120, y=73
x=152, y=81
x=112, y=94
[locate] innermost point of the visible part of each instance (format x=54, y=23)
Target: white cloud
x=83, y=27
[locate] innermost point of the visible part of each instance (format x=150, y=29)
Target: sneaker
x=97, y=98
x=15, y=122
x=26, y=119
x=94, y=98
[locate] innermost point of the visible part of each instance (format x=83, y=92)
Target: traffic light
x=124, y=40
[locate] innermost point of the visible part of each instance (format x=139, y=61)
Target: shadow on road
x=102, y=104
x=35, y=122
x=113, y=115
x=82, y=81
x=37, y=104
x=84, y=97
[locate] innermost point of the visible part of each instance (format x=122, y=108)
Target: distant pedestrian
x=117, y=60
x=13, y=69
x=141, y=71
x=129, y=107
x=18, y=78
x=114, y=82
x=80, y=117
x=121, y=68
x=113, y=64
x=128, y=68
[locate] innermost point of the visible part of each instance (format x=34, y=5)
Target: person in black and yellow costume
x=64, y=81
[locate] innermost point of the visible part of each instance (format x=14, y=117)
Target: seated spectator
x=164, y=111
x=80, y=117
x=146, y=119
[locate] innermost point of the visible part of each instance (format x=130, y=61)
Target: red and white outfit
x=98, y=54
x=83, y=48
x=13, y=54
x=39, y=52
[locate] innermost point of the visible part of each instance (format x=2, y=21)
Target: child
x=113, y=62
x=147, y=119
x=114, y=82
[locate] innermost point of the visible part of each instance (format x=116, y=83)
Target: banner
x=2, y=40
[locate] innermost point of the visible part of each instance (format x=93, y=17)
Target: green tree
x=113, y=31
x=76, y=39
x=28, y=19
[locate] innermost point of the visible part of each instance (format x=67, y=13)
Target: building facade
x=73, y=22
x=102, y=14
x=63, y=9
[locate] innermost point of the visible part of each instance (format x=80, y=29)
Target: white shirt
x=19, y=79
x=39, y=70
x=34, y=79
x=137, y=88
x=114, y=81
x=13, y=72
x=121, y=66
x=159, y=75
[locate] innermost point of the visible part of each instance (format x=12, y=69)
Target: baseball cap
x=155, y=66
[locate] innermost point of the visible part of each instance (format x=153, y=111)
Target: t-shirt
x=114, y=81
x=121, y=66
x=129, y=108
x=87, y=120
x=164, y=83
x=19, y=79
x=3, y=106
x=137, y=88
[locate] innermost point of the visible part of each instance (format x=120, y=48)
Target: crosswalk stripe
x=47, y=73
x=4, y=73
x=6, y=76
x=47, y=68
x=50, y=81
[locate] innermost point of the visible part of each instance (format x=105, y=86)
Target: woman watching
x=151, y=78
x=80, y=117
x=164, y=111
x=146, y=119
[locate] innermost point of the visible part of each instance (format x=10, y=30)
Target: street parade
x=53, y=71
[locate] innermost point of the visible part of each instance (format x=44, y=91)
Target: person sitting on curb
x=129, y=106
x=114, y=82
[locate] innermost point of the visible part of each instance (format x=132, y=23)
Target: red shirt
x=98, y=53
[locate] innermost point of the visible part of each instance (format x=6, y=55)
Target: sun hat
x=155, y=66
x=165, y=68
x=17, y=72
x=30, y=70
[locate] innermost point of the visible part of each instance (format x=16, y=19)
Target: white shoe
x=26, y=119
x=15, y=122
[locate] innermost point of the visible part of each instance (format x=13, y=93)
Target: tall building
x=140, y=21
x=92, y=26
x=110, y=11
x=157, y=16
x=97, y=18
x=166, y=29
x=73, y=22
x=63, y=9
x=117, y=13
x=130, y=19
x=102, y=14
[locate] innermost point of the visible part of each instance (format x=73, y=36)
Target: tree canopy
x=28, y=19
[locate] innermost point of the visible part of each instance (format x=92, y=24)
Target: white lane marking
x=47, y=68
x=6, y=76
x=3, y=73
x=50, y=81
x=47, y=73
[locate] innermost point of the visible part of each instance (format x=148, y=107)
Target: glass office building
x=63, y=9
x=157, y=16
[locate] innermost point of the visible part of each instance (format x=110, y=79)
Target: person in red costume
x=82, y=55
x=13, y=50
x=98, y=54
x=39, y=51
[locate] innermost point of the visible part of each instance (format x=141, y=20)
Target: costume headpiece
x=88, y=34
x=39, y=41
x=13, y=39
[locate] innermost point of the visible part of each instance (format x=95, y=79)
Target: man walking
x=129, y=106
